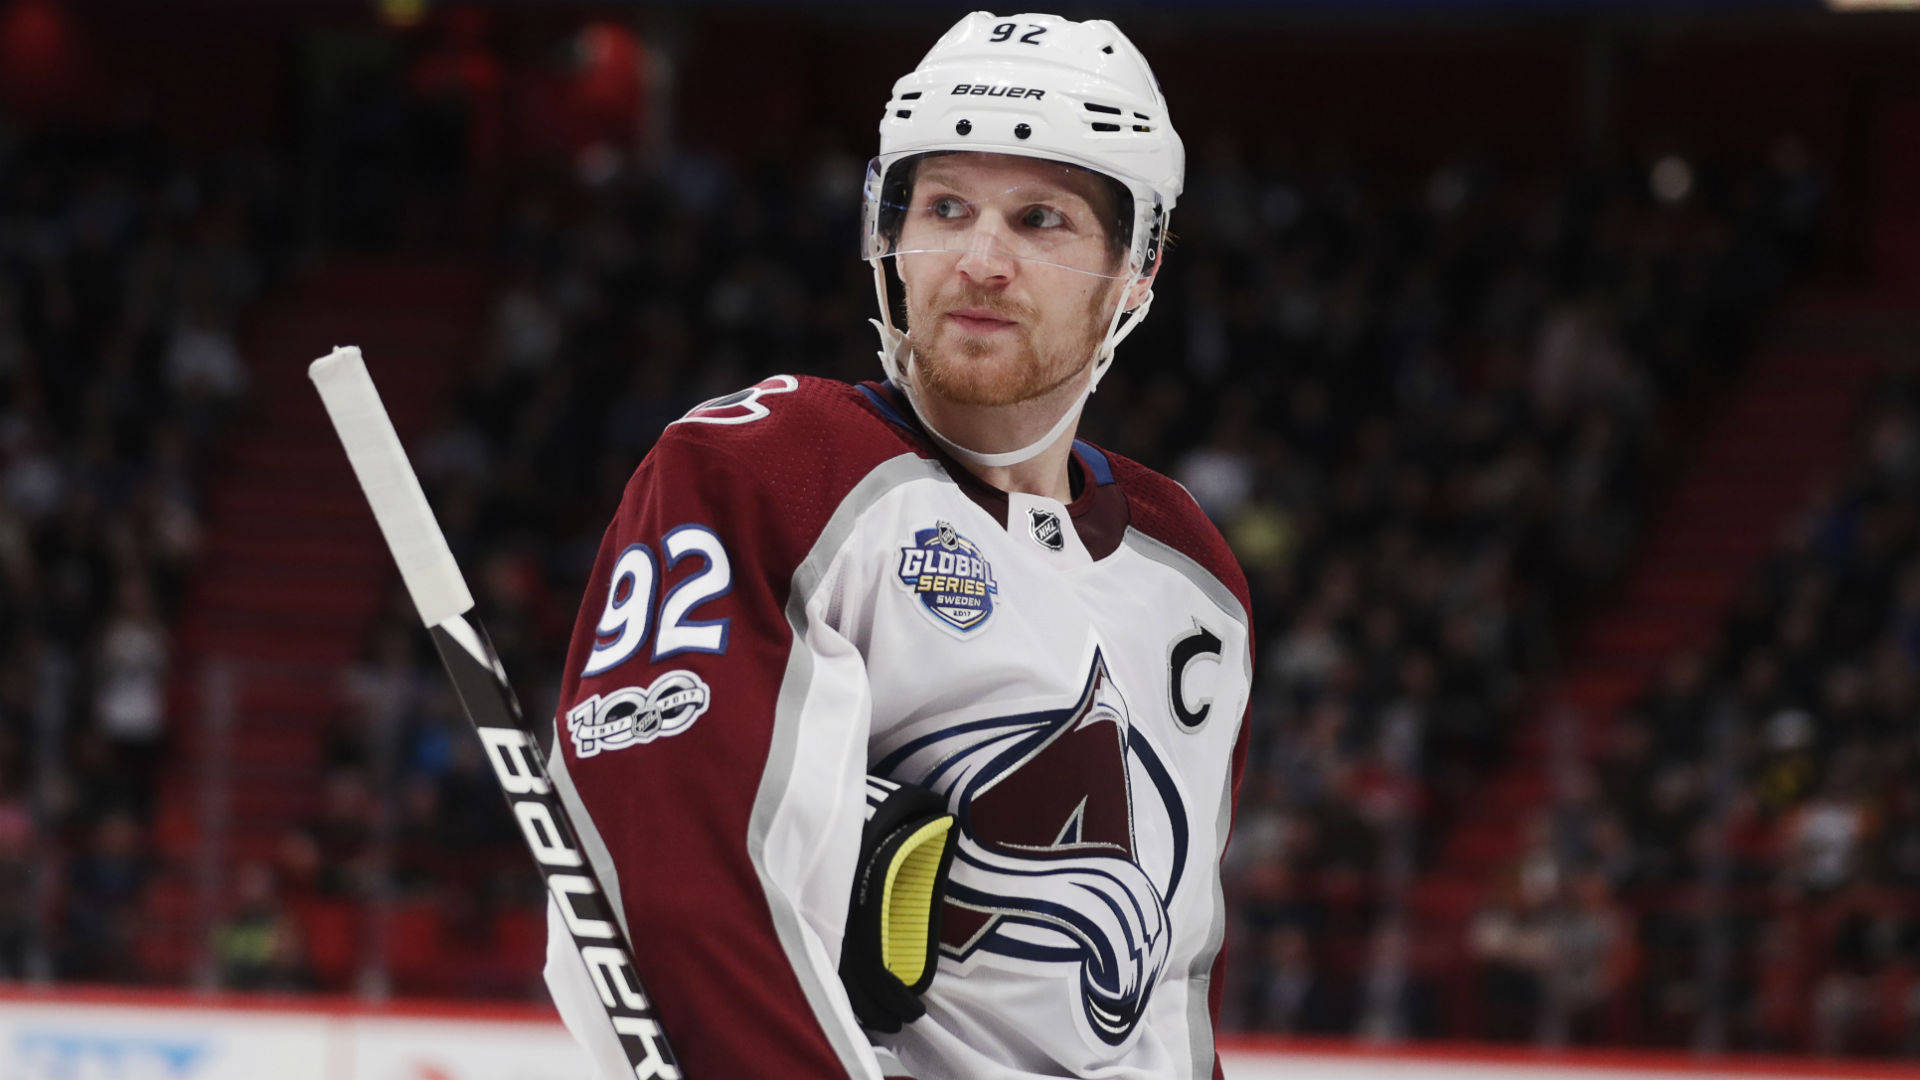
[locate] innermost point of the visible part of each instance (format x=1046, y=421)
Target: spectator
x=257, y=946
x=1296, y=998
x=1513, y=942
x=1591, y=935
x=103, y=919
x=18, y=899
x=130, y=671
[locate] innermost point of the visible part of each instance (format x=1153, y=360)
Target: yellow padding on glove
x=907, y=902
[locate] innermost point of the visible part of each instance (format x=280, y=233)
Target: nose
x=987, y=257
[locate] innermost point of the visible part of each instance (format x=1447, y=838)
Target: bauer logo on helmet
x=999, y=91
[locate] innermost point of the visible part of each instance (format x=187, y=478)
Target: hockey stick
x=440, y=593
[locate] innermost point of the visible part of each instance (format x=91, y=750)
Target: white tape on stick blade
x=414, y=537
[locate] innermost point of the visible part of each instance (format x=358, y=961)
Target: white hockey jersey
x=799, y=589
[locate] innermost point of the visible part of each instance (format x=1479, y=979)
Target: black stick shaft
x=521, y=768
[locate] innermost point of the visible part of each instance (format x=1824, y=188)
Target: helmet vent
x=911, y=95
x=1109, y=110
x=1108, y=49
x=904, y=114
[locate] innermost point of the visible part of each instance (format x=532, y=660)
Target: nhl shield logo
x=946, y=573
x=1046, y=530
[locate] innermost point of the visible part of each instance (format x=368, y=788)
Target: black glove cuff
x=892, y=942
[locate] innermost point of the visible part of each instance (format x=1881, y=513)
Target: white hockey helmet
x=1037, y=86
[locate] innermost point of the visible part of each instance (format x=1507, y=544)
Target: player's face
x=1015, y=276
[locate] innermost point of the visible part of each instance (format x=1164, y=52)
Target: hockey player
x=902, y=726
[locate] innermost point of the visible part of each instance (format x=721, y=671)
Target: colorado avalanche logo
x=945, y=572
x=1073, y=840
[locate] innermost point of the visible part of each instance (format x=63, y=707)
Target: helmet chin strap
x=896, y=359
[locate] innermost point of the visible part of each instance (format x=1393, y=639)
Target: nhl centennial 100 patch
x=634, y=715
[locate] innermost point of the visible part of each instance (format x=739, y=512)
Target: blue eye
x=947, y=206
x=1043, y=217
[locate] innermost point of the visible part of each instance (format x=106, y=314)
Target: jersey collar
x=1099, y=510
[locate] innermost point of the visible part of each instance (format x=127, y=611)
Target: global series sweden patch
x=946, y=573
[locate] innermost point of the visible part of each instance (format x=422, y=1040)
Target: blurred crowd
x=1478, y=385
x=123, y=272
x=1751, y=828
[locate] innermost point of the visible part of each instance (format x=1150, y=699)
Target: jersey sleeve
x=710, y=743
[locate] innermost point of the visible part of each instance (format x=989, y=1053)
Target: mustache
x=998, y=305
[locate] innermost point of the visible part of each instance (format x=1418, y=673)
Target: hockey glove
x=893, y=921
